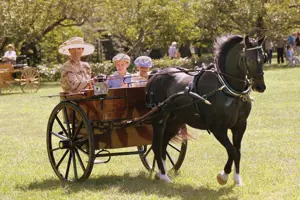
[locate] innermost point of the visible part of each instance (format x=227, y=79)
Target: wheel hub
x=66, y=144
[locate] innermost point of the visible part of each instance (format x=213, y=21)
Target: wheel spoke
x=85, y=152
x=59, y=136
x=170, y=158
x=55, y=149
x=153, y=163
x=79, y=128
x=67, y=122
x=62, y=158
x=171, y=145
x=80, y=160
x=74, y=165
x=146, y=154
x=73, y=123
x=68, y=166
x=61, y=125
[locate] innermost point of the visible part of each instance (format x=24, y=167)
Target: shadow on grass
x=132, y=184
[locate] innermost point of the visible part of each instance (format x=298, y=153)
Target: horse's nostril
x=260, y=88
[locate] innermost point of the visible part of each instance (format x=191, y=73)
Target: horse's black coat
x=233, y=63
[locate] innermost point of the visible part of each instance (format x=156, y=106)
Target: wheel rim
x=70, y=142
x=175, y=156
x=30, y=80
x=6, y=87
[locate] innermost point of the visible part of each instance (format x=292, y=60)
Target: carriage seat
x=20, y=65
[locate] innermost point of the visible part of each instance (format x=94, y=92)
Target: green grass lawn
x=270, y=164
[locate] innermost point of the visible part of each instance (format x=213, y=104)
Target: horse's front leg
x=221, y=136
x=159, y=126
x=237, y=136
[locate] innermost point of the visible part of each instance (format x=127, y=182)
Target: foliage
x=51, y=41
x=253, y=17
x=188, y=63
x=50, y=72
x=147, y=24
x=282, y=17
x=31, y=20
x=107, y=67
x=141, y=24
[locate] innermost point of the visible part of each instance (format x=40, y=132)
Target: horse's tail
x=182, y=135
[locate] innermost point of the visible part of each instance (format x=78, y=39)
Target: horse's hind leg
x=158, y=134
x=168, y=135
x=237, y=136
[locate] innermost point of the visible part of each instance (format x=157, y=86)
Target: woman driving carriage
x=10, y=55
x=75, y=74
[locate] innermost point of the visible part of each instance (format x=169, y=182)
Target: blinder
x=243, y=57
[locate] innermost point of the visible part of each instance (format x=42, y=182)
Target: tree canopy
x=142, y=24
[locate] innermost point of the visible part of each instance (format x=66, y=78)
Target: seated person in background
x=142, y=64
x=121, y=78
x=75, y=74
x=10, y=55
x=292, y=60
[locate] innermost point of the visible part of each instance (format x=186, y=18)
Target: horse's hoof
x=222, y=178
x=162, y=177
x=237, y=180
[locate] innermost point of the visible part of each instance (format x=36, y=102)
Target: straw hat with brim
x=10, y=46
x=76, y=42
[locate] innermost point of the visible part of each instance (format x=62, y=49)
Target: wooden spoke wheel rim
x=175, y=156
x=5, y=87
x=30, y=80
x=70, y=142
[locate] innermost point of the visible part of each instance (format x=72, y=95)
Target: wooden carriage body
x=106, y=114
x=27, y=77
x=86, y=129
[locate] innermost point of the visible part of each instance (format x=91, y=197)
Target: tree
x=30, y=20
x=141, y=24
x=253, y=17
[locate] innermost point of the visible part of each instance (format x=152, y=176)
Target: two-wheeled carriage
x=28, y=78
x=83, y=129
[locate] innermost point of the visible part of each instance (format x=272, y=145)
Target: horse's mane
x=222, y=46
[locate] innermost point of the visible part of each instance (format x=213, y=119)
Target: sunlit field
x=270, y=164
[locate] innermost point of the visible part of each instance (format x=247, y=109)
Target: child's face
x=122, y=66
x=143, y=69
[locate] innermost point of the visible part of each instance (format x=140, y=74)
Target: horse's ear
x=262, y=40
x=247, y=42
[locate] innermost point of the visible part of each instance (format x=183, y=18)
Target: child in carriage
x=121, y=78
x=75, y=74
x=143, y=65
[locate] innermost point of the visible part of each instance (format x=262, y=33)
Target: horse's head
x=253, y=60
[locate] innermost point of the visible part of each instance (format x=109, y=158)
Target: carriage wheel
x=175, y=156
x=5, y=87
x=70, y=142
x=30, y=80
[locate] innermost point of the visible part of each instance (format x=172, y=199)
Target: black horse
x=226, y=85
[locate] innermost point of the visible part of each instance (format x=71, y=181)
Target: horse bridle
x=243, y=57
x=249, y=79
